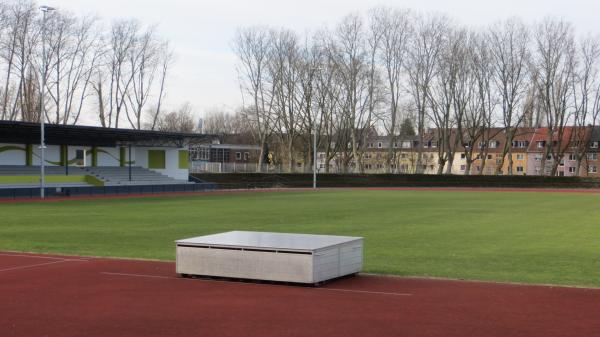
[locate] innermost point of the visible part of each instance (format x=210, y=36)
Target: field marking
x=233, y=282
x=365, y=291
x=40, y=257
x=32, y=265
x=142, y=275
x=57, y=260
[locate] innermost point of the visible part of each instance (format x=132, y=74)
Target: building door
x=80, y=158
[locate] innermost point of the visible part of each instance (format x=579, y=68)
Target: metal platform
x=298, y=258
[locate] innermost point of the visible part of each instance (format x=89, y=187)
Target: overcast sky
x=201, y=31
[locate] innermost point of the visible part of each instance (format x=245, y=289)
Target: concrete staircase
x=119, y=176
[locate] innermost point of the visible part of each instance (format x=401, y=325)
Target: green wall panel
x=122, y=156
x=184, y=159
x=94, y=156
x=156, y=159
x=29, y=155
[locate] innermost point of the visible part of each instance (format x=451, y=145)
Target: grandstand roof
x=29, y=133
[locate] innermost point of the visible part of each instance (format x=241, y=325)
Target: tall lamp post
x=315, y=155
x=44, y=9
x=316, y=68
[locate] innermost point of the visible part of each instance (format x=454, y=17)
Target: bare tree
x=555, y=64
x=284, y=75
x=424, y=51
x=508, y=42
x=219, y=120
x=252, y=46
x=395, y=28
x=145, y=62
x=351, y=57
x=586, y=84
x=114, y=79
x=474, y=126
x=180, y=120
x=166, y=60
x=328, y=97
x=73, y=55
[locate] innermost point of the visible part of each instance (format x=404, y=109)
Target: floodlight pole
x=315, y=155
x=317, y=68
x=44, y=9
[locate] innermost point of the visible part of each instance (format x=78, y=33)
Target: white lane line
x=31, y=266
x=41, y=257
x=142, y=275
x=233, y=282
x=365, y=292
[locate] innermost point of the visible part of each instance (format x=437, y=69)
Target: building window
x=246, y=156
x=403, y=156
x=463, y=167
x=463, y=156
x=571, y=170
x=494, y=144
x=519, y=169
x=520, y=156
x=379, y=166
x=406, y=145
x=380, y=145
x=538, y=157
x=203, y=154
x=489, y=156
x=219, y=155
x=592, y=156
x=593, y=169
x=594, y=145
x=541, y=144
x=521, y=144
x=238, y=155
x=572, y=157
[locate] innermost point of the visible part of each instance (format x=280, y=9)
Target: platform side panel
x=351, y=257
x=272, y=266
x=327, y=264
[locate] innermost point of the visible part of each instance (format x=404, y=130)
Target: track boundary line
x=36, y=265
x=259, y=284
x=365, y=291
x=40, y=257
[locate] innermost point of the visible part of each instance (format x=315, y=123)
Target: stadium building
x=85, y=156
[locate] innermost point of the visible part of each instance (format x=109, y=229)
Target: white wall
x=12, y=157
x=52, y=153
x=111, y=158
x=171, y=158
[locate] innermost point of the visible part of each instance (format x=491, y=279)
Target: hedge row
x=252, y=180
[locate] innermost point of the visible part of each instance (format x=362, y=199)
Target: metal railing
x=212, y=167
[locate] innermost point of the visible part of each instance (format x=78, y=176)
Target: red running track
x=43, y=295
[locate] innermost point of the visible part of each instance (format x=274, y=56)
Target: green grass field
x=519, y=237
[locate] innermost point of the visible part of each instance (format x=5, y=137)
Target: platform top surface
x=269, y=240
